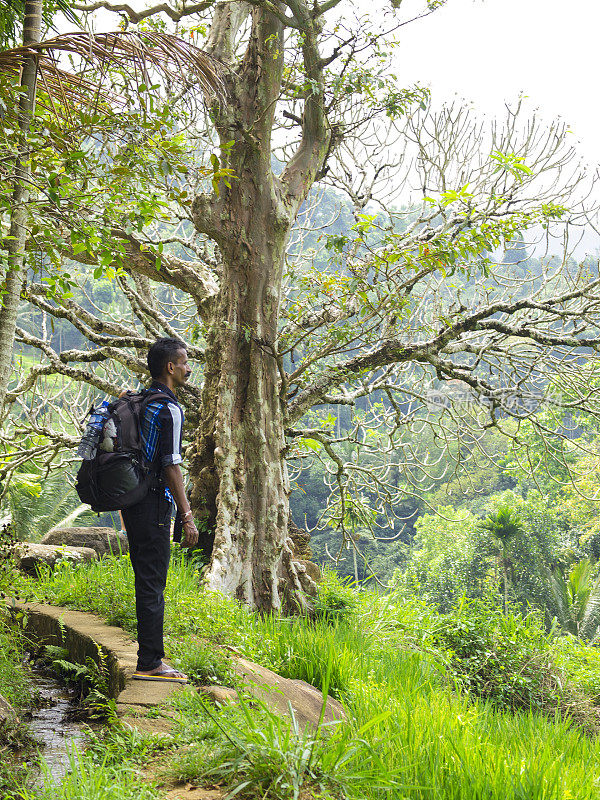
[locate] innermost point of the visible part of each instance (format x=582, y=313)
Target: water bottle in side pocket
x=89, y=442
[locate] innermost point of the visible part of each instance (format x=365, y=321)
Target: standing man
x=148, y=523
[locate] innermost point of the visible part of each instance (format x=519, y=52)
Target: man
x=148, y=523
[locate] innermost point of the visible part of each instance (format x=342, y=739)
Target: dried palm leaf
x=137, y=55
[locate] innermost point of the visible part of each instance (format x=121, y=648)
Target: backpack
x=115, y=472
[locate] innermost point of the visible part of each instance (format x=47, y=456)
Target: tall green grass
x=14, y=685
x=411, y=732
x=86, y=779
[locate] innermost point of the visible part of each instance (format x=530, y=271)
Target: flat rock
x=279, y=693
x=312, y=570
x=157, y=726
x=105, y=541
x=7, y=712
x=148, y=693
x=219, y=694
x=30, y=555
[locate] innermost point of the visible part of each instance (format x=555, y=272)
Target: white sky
x=488, y=51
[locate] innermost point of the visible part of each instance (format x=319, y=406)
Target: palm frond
x=138, y=55
x=577, y=599
x=560, y=594
x=38, y=504
x=503, y=523
x=590, y=623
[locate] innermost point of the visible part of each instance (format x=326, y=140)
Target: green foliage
x=37, y=502
x=88, y=682
x=12, y=13
x=444, y=549
x=393, y=654
x=575, y=658
x=502, y=657
x=503, y=523
x=335, y=600
x=577, y=600
x=454, y=554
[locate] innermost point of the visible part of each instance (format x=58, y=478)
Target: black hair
x=161, y=352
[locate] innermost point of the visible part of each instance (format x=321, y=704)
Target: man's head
x=167, y=362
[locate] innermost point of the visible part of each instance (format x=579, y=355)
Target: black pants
x=148, y=526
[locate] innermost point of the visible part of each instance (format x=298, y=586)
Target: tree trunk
x=237, y=465
x=505, y=577
x=18, y=233
x=237, y=469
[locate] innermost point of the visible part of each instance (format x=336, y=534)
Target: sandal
x=168, y=674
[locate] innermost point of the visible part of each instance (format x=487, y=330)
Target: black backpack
x=119, y=475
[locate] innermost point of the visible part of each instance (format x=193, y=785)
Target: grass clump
x=105, y=587
x=14, y=684
x=258, y=754
x=201, y=660
x=86, y=779
x=115, y=745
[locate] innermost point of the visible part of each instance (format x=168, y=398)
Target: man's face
x=179, y=368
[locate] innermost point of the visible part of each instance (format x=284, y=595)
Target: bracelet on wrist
x=187, y=516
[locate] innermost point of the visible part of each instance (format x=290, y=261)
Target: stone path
x=82, y=634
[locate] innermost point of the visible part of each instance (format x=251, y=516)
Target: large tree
x=406, y=298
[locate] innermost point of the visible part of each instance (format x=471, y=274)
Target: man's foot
x=161, y=673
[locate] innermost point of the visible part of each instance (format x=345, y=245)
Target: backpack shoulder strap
x=150, y=395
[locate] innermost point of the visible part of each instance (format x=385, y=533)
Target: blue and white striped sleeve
x=171, y=418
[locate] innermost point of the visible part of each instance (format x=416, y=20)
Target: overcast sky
x=489, y=51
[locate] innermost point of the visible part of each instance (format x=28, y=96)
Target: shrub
x=505, y=658
x=336, y=600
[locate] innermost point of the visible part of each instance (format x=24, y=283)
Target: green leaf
x=312, y=444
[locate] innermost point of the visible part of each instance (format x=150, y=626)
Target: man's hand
x=174, y=479
x=190, y=534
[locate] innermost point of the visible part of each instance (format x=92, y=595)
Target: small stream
x=51, y=726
